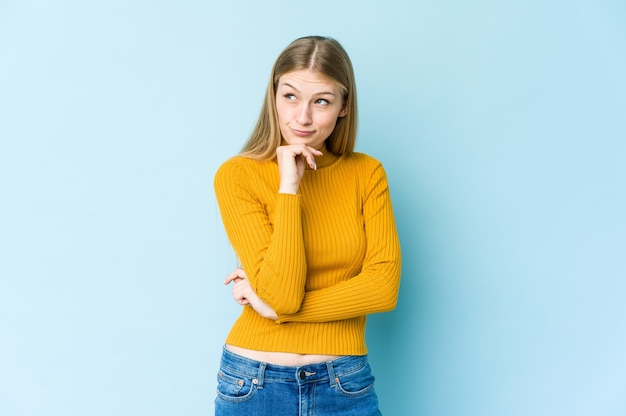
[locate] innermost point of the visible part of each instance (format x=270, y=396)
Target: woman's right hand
x=291, y=165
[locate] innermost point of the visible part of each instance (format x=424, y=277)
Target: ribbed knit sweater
x=322, y=259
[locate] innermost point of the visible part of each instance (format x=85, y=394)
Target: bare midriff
x=281, y=358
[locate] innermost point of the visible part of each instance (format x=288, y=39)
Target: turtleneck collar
x=326, y=159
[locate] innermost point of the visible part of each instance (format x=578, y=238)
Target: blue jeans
x=342, y=387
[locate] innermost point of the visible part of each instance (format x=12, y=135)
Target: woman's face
x=308, y=105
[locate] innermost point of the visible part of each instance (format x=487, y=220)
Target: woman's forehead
x=307, y=78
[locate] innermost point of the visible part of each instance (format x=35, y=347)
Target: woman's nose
x=304, y=114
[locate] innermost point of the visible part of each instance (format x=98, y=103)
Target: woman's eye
x=290, y=97
x=322, y=102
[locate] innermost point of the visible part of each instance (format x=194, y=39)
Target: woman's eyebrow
x=286, y=84
x=325, y=93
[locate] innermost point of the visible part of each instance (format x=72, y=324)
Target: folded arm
x=375, y=288
x=270, y=250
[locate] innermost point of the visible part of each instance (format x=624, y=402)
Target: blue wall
x=501, y=125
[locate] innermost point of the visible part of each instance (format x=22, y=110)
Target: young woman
x=312, y=224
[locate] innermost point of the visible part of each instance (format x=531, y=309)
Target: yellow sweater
x=322, y=259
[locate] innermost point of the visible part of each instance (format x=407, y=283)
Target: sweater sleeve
x=375, y=288
x=271, y=250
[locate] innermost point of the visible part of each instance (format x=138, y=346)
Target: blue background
x=501, y=126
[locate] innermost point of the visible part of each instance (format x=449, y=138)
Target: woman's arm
x=272, y=253
x=373, y=290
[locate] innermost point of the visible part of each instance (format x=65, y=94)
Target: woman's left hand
x=245, y=295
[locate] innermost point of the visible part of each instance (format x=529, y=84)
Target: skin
x=308, y=106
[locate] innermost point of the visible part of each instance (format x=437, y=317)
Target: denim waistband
x=261, y=371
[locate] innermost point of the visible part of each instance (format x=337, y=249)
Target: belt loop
x=331, y=373
x=260, y=376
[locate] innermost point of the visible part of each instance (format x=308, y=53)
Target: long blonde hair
x=321, y=54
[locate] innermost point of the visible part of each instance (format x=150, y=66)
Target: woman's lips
x=302, y=133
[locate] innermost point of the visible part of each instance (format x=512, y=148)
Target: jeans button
x=302, y=375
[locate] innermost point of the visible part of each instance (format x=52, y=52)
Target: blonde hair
x=321, y=54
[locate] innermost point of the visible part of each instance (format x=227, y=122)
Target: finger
x=238, y=273
x=308, y=160
x=230, y=278
x=315, y=151
x=312, y=152
x=238, y=295
x=240, y=289
x=292, y=151
x=242, y=301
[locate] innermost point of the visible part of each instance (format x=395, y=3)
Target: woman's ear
x=343, y=112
